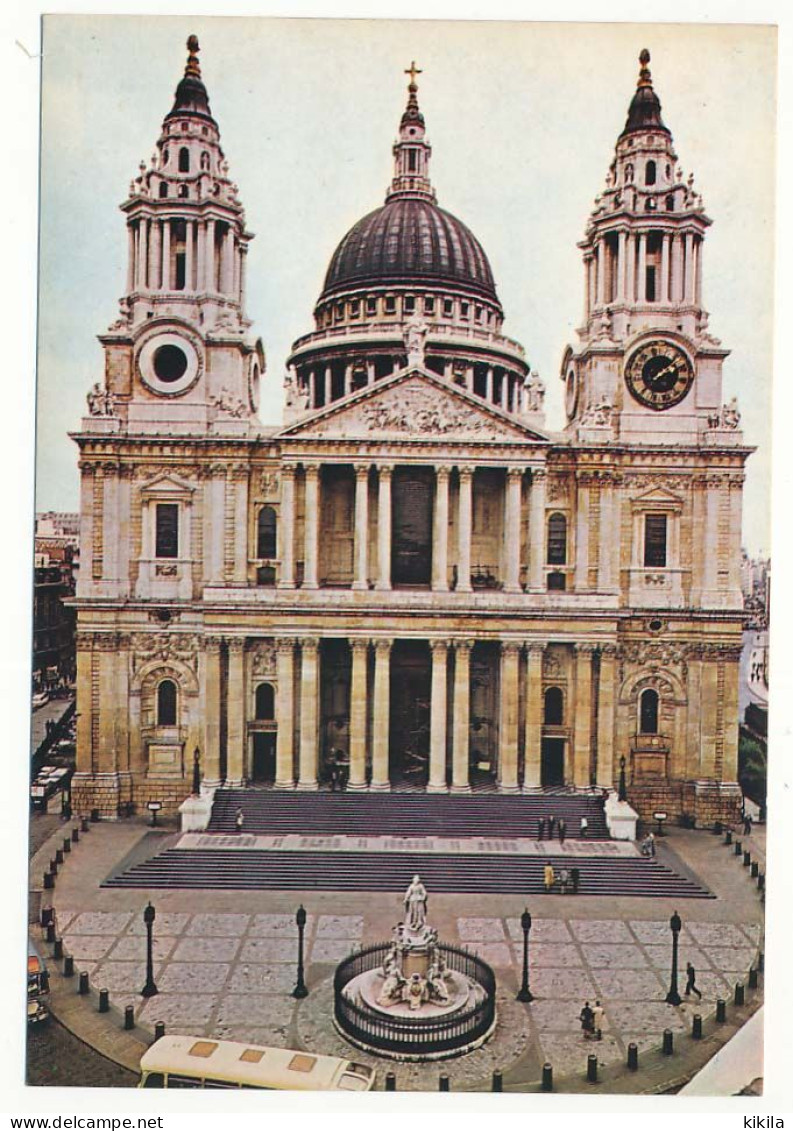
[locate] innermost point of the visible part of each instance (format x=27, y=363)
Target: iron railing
x=414, y=1035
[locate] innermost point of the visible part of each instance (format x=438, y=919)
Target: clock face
x=570, y=392
x=659, y=375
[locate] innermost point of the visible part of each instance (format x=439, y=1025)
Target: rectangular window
x=410, y=304
x=390, y=305
x=463, y=309
x=166, y=544
x=655, y=540
x=651, y=284
x=412, y=160
x=448, y=307
x=429, y=305
x=180, y=271
x=371, y=306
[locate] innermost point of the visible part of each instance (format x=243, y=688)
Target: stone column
x=605, y=723
x=461, y=716
x=228, y=262
x=698, y=272
x=381, y=720
x=130, y=259
x=607, y=535
x=535, y=705
x=216, y=511
x=309, y=713
x=85, y=706
x=328, y=385
x=384, y=471
x=286, y=528
x=601, y=271
x=235, y=699
x=440, y=541
x=285, y=710
x=210, y=710
x=188, y=256
x=537, y=497
x=464, y=530
x=504, y=403
x=508, y=728
x=676, y=269
x=731, y=673
x=155, y=256
x=240, y=574
x=243, y=275
x=512, y=513
x=710, y=541
x=143, y=255
x=582, y=535
x=358, y=705
x=210, y=257
x=201, y=257
x=642, y=280
x=582, y=739
x=664, y=289
x=489, y=385
x=688, y=291
x=166, y=256
x=438, y=711
x=361, y=526
x=347, y=380
x=630, y=272
x=621, y=264
x=311, y=527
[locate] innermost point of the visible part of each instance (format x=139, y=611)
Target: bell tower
x=646, y=369
x=178, y=359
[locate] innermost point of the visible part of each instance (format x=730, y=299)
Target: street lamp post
x=673, y=997
x=623, y=793
x=300, y=990
x=196, y=773
x=524, y=993
x=150, y=989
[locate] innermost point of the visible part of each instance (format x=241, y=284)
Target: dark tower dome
x=644, y=112
x=410, y=240
x=191, y=96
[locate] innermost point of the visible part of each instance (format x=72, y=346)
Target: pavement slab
x=214, y=924
x=193, y=977
x=630, y=984
x=614, y=955
x=278, y=926
x=339, y=927
x=601, y=931
x=548, y=954
x=542, y=930
x=181, y=1013
x=480, y=930
x=212, y=949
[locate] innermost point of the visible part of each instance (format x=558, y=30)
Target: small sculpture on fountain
x=416, y=906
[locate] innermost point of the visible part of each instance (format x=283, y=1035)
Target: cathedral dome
x=409, y=241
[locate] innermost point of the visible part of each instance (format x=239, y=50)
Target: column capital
x=212, y=645
x=311, y=469
x=609, y=651
x=440, y=646
x=464, y=645
x=386, y=469
x=514, y=472
x=539, y=474
x=285, y=643
x=310, y=642
x=288, y=468
x=360, y=645
x=361, y=470
x=585, y=648
x=510, y=647
x=536, y=646
x=442, y=471
x=236, y=645
x=383, y=647
x=465, y=471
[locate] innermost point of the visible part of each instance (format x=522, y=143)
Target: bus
x=202, y=1062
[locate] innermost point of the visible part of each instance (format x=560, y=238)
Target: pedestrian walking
x=239, y=819
x=564, y=880
x=575, y=876
x=691, y=977
x=587, y=1019
x=651, y=843
x=597, y=1021
x=584, y=827
x=549, y=878
x=550, y=826
x=747, y=825
x=562, y=829
x=541, y=828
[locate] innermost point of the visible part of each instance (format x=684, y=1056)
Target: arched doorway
x=264, y=735
x=409, y=731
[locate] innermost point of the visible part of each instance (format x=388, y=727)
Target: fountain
x=415, y=998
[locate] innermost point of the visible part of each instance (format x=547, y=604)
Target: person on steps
x=239, y=819
x=549, y=878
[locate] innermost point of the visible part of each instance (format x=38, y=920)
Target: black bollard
x=57, y=949
x=59, y=856
x=761, y=881
x=390, y=1082
x=633, y=1056
x=498, y=1082
x=739, y=997
x=46, y=916
x=75, y=835
x=129, y=1017
x=67, y=845
x=94, y=815
x=68, y=966
x=443, y=1082
x=547, y=1077
x=53, y=867
x=668, y=1047
x=761, y=961
x=755, y=870
x=104, y=1001
x=84, y=825
x=753, y=979
x=592, y=1068
x=159, y=1030
x=747, y=859
x=50, y=933
x=696, y=1027
x=738, y=848
x=82, y=986
x=728, y=836
x=49, y=880
x=721, y=1010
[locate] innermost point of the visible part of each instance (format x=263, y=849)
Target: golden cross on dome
x=413, y=70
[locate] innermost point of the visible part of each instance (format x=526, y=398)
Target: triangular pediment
x=417, y=405
x=658, y=496
x=166, y=484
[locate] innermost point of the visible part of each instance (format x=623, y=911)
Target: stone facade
x=411, y=575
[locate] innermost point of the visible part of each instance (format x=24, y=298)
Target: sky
x=522, y=117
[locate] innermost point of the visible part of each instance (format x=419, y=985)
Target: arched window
x=205, y=160
x=163, y=188
x=670, y=202
x=648, y=712
x=628, y=174
x=166, y=703
x=165, y=156
x=265, y=702
x=184, y=160
x=554, y=707
x=266, y=533
x=649, y=173
x=557, y=540
x=184, y=192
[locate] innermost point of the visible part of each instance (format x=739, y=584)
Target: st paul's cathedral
x=410, y=577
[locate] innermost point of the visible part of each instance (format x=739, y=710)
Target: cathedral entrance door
x=552, y=761
x=409, y=735
x=412, y=526
x=263, y=762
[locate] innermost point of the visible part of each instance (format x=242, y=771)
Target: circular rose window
x=169, y=363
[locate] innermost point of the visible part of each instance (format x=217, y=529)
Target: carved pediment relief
x=167, y=484
x=416, y=405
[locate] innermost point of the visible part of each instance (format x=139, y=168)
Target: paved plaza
x=225, y=962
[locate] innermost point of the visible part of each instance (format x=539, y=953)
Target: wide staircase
x=279, y=812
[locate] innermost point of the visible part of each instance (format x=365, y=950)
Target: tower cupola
x=412, y=151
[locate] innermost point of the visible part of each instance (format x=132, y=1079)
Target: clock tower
x=646, y=370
